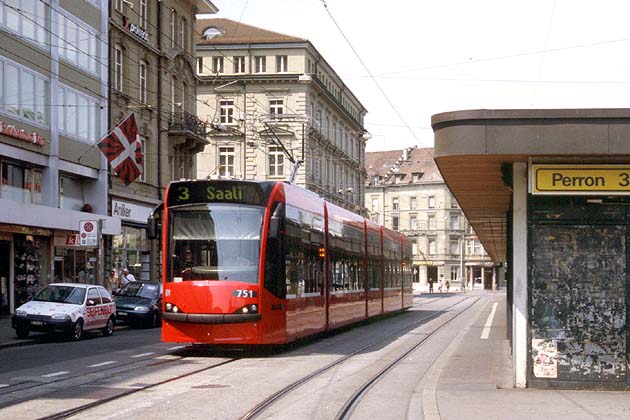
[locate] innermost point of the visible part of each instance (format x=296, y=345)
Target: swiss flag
x=123, y=150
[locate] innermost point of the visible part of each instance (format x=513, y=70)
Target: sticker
x=545, y=358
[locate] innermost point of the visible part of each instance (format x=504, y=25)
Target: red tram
x=248, y=262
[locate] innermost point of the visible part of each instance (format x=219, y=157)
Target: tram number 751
x=244, y=293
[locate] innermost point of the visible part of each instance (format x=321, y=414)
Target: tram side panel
x=305, y=263
x=392, y=260
x=407, y=272
x=346, y=250
x=375, y=273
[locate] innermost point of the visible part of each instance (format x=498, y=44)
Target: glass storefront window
x=75, y=265
x=131, y=249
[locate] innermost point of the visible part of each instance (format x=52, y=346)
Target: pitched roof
x=233, y=32
x=390, y=163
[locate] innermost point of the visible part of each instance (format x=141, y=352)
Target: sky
x=406, y=60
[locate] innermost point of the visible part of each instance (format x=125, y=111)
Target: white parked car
x=70, y=308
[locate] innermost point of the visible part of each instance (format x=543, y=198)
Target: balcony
x=187, y=132
x=183, y=121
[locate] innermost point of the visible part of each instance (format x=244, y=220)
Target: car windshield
x=62, y=294
x=215, y=242
x=145, y=290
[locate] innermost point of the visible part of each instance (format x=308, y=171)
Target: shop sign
x=423, y=262
x=88, y=233
x=72, y=239
x=132, y=212
x=21, y=134
x=135, y=29
x=587, y=179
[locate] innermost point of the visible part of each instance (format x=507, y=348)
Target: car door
x=94, y=309
x=108, y=304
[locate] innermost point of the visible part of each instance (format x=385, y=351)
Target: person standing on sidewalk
x=126, y=277
x=441, y=285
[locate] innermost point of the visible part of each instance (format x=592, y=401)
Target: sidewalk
x=477, y=382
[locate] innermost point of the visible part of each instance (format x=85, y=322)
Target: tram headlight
x=171, y=308
x=247, y=309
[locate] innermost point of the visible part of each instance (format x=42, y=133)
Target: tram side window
x=304, y=269
x=373, y=273
x=274, y=260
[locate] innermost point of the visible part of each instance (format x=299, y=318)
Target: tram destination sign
x=586, y=179
x=196, y=192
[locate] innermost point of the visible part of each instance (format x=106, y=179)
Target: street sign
x=88, y=232
x=577, y=179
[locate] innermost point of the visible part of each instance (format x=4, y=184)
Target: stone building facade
x=272, y=99
x=405, y=192
x=152, y=74
x=53, y=110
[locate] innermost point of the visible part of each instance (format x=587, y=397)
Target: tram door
x=5, y=275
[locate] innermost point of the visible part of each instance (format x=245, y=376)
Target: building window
x=414, y=248
x=80, y=115
x=239, y=64
x=27, y=18
x=276, y=108
x=143, y=173
x=281, y=63
x=454, y=246
x=173, y=98
x=415, y=176
x=226, y=112
x=454, y=273
x=118, y=68
x=199, y=65
x=21, y=184
x=413, y=222
x=183, y=101
x=413, y=203
x=432, y=246
x=226, y=161
x=431, y=222
x=143, y=82
x=119, y=5
x=395, y=205
x=70, y=193
x=454, y=222
x=454, y=204
x=78, y=43
x=260, y=63
x=173, y=27
x=217, y=65
x=276, y=161
x=24, y=93
x=374, y=203
x=431, y=202
x=183, y=33
x=143, y=14
x=395, y=222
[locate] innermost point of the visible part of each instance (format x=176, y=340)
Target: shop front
x=72, y=262
x=24, y=264
x=131, y=249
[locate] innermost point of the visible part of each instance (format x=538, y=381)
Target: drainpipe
x=159, y=100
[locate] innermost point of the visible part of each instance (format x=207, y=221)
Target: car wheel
x=77, y=331
x=22, y=332
x=109, y=328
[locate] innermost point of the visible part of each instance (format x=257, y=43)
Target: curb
x=17, y=343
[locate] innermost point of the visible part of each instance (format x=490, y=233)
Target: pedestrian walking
x=448, y=285
x=430, y=285
x=441, y=285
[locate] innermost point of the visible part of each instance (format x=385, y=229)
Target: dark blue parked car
x=139, y=303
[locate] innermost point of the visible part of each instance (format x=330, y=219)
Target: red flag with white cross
x=123, y=150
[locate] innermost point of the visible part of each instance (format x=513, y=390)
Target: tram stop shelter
x=548, y=194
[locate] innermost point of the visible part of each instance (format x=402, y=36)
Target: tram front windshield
x=215, y=242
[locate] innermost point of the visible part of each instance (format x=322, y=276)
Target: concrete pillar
x=519, y=241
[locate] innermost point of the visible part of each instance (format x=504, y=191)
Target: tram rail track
x=348, y=407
